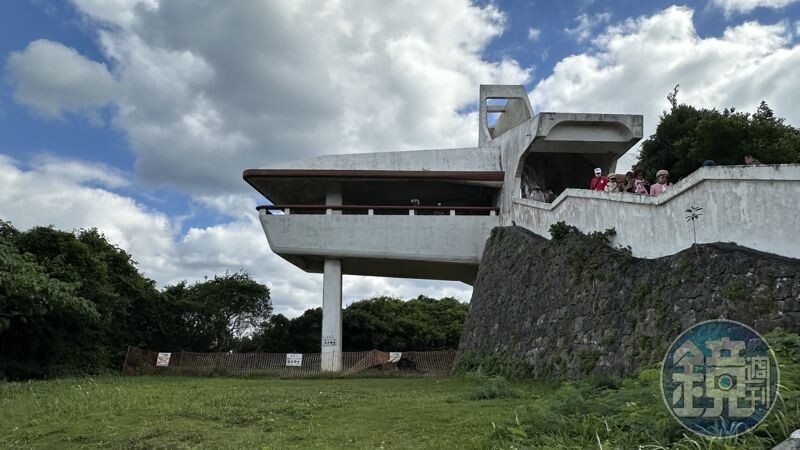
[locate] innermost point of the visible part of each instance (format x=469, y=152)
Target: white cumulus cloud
x=121, y=13
x=586, y=25
x=205, y=90
x=635, y=64
x=52, y=78
x=745, y=6
x=78, y=171
x=46, y=195
x=212, y=88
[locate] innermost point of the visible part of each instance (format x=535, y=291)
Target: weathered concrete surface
x=517, y=110
x=571, y=307
x=793, y=443
x=449, y=244
x=600, y=138
x=755, y=207
x=331, y=357
x=456, y=159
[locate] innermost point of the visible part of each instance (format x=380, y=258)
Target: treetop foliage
x=71, y=303
x=687, y=136
x=383, y=323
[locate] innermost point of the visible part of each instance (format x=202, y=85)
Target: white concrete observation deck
x=425, y=242
x=427, y=213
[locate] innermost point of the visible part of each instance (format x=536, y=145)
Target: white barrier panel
x=163, y=359
x=294, y=359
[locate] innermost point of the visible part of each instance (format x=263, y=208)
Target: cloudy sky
x=138, y=116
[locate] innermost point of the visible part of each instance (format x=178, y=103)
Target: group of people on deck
x=635, y=183
x=632, y=182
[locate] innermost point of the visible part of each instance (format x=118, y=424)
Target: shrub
x=493, y=365
x=559, y=230
x=493, y=388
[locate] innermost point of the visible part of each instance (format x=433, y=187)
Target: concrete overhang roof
x=284, y=186
x=587, y=133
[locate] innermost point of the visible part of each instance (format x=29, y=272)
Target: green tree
x=7, y=230
x=686, y=136
x=214, y=314
x=383, y=323
x=279, y=334
x=274, y=337
x=305, y=332
x=391, y=324
x=103, y=274
x=73, y=302
x=40, y=320
x=127, y=312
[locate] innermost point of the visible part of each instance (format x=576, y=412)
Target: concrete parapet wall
x=754, y=206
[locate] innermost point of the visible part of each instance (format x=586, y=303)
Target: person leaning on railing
x=598, y=183
x=662, y=183
x=612, y=185
x=638, y=184
x=537, y=194
x=750, y=161
x=627, y=182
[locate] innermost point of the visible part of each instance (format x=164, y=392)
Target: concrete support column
x=333, y=196
x=332, y=298
x=332, y=316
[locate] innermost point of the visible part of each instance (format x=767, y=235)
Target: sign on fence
x=163, y=359
x=394, y=357
x=143, y=362
x=294, y=359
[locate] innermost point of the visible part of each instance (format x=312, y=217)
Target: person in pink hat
x=662, y=183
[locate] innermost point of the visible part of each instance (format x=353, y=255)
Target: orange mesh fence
x=283, y=365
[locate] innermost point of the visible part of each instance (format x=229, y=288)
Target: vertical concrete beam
x=332, y=316
x=332, y=298
x=333, y=195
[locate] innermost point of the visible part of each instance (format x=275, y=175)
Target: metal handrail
x=369, y=208
x=352, y=207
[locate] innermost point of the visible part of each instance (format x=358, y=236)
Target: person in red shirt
x=599, y=182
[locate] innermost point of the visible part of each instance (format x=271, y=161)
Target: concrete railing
x=753, y=206
x=383, y=209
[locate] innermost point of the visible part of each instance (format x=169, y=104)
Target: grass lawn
x=458, y=412
x=178, y=412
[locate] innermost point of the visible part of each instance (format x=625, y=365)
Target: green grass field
x=441, y=413
x=177, y=412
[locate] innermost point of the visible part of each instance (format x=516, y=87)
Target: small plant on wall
x=693, y=214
